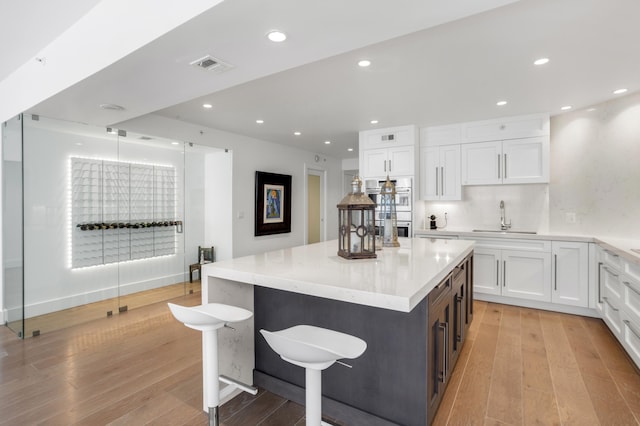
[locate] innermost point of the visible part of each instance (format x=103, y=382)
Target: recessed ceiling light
x=350, y=149
x=297, y=133
x=566, y=108
x=364, y=63
x=501, y=103
x=260, y=121
x=79, y=143
x=327, y=142
x=619, y=91
x=374, y=122
x=541, y=61
x=276, y=36
x=175, y=143
x=207, y=106
x=591, y=109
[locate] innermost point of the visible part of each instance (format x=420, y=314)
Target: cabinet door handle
x=437, y=184
x=460, y=299
x=599, y=282
x=631, y=328
x=499, y=166
x=497, y=272
x=606, y=299
x=443, y=353
x=555, y=272
x=628, y=284
x=504, y=273
x=442, y=180
x=505, y=166
x=389, y=165
x=385, y=165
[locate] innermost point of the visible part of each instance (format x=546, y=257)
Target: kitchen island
x=412, y=305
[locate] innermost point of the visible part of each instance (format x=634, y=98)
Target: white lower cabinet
x=570, y=273
x=523, y=274
x=618, y=289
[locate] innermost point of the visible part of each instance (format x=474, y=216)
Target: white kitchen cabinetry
x=398, y=161
x=513, y=161
x=440, y=172
x=388, y=152
x=570, y=270
x=513, y=268
x=619, y=299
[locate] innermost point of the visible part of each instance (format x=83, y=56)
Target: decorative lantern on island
x=389, y=218
x=356, y=224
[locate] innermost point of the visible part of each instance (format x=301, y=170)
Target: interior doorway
x=315, y=191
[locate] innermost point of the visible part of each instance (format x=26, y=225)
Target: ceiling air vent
x=209, y=63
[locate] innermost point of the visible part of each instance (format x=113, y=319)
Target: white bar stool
x=315, y=349
x=208, y=319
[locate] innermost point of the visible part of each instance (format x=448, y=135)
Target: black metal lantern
x=389, y=225
x=356, y=229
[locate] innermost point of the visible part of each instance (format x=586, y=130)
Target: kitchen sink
x=498, y=231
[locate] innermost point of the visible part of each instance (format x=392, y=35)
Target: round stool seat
x=313, y=347
x=209, y=316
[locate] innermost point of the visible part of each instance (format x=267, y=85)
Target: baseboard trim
x=334, y=409
x=58, y=304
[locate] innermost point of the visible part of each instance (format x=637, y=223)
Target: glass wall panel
x=112, y=220
x=67, y=271
x=12, y=262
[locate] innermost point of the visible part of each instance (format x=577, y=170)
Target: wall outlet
x=570, y=217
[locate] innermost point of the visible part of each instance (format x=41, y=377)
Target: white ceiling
x=468, y=58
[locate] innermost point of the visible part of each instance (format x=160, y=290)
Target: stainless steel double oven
x=403, y=203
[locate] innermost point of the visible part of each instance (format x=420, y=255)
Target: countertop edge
x=618, y=246
x=349, y=295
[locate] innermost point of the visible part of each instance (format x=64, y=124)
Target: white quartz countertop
x=397, y=280
x=620, y=246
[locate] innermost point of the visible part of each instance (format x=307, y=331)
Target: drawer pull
x=606, y=299
x=555, y=272
x=631, y=287
x=599, y=282
x=631, y=328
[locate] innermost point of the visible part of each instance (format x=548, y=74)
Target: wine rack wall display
x=121, y=211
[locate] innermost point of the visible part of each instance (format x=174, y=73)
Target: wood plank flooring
x=92, y=311
x=519, y=367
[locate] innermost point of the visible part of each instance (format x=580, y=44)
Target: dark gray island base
x=401, y=376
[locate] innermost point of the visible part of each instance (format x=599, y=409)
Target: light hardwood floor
x=91, y=311
x=519, y=367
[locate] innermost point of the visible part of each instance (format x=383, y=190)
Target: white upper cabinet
x=440, y=173
x=389, y=151
x=506, y=162
x=440, y=163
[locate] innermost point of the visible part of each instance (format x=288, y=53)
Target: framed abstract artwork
x=273, y=204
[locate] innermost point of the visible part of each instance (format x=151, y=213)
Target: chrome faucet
x=503, y=220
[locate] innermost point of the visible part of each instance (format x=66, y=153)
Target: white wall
x=595, y=169
x=218, y=217
x=251, y=155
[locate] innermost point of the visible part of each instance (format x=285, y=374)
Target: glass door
x=150, y=186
